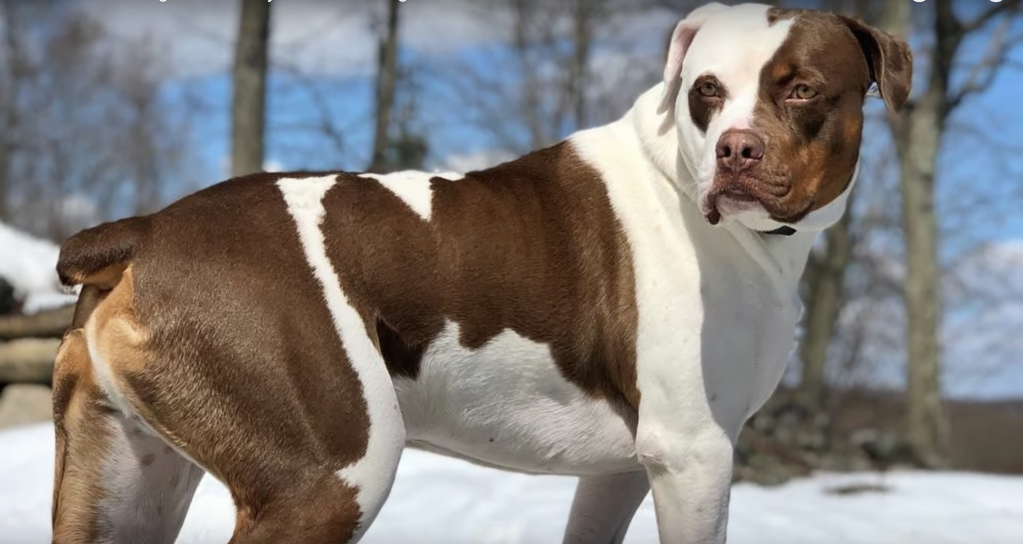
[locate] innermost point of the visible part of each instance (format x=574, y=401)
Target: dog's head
x=768, y=106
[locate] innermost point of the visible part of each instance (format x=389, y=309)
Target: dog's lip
x=735, y=191
x=738, y=196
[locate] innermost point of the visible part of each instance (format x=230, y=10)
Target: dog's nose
x=739, y=150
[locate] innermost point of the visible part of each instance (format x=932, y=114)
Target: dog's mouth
x=734, y=193
x=746, y=193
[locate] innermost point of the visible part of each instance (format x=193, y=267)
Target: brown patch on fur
x=98, y=256
x=326, y=511
x=531, y=246
x=890, y=61
x=702, y=108
x=204, y=338
x=813, y=145
x=249, y=341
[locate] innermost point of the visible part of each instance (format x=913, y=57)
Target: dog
x=612, y=307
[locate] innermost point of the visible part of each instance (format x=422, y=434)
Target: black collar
x=783, y=230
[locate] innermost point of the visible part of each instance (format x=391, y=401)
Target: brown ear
x=678, y=44
x=890, y=60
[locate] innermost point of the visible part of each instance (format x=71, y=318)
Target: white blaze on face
x=733, y=45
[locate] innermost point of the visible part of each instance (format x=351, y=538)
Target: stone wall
x=28, y=345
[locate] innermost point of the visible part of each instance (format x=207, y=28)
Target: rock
x=23, y=404
x=8, y=304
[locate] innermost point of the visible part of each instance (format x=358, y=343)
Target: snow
x=437, y=500
x=29, y=265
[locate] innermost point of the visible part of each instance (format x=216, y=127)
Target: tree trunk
x=525, y=16
x=387, y=77
x=917, y=132
x=248, y=105
x=926, y=425
x=579, y=70
x=825, y=282
x=9, y=115
x=5, y=169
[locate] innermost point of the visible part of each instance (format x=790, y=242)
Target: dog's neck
x=782, y=258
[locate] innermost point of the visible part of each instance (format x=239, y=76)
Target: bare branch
x=1005, y=6
x=325, y=123
x=984, y=72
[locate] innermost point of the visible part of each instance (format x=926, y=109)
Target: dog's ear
x=681, y=38
x=890, y=60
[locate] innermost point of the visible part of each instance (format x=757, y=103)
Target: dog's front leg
x=690, y=475
x=684, y=439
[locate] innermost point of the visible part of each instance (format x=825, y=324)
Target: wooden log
x=45, y=324
x=28, y=360
x=25, y=404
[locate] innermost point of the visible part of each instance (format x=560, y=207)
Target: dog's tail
x=97, y=256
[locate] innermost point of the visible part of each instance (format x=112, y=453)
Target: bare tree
x=248, y=104
x=155, y=143
x=918, y=131
x=386, y=84
x=541, y=82
x=13, y=62
x=824, y=282
x=84, y=115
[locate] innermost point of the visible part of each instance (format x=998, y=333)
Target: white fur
x=681, y=39
x=717, y=315
x=145, y=502
x=413, y=188
x=750, y=43
x=374, y=473
x=507, y=405
x=718, y=306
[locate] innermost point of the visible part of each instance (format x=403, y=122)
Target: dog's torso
x=521, y=311
x=520, y=308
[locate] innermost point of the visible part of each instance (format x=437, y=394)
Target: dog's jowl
x=613, y=307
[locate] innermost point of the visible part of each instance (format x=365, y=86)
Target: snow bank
x=28, y=264
x=442, y=501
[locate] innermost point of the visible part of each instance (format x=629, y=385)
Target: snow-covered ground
x=28, y=264
x=442, y=501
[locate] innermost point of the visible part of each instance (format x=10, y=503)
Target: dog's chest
x=507, y=405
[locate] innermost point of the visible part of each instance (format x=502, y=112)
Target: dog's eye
x=803, y=92
x=708, y=89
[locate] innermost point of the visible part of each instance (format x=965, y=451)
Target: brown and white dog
x=613, y=307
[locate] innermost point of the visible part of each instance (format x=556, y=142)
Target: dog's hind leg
x=603, y=507
x=115, y=481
